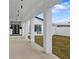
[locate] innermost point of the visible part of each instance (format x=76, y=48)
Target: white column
x=26, y=30
x=10, y=32
x=20, y=31
x=32, y=30
x=47, y=31
x=23, y=29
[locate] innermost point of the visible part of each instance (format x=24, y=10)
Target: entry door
x=16, y=29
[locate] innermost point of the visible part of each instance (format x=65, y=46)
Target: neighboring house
x=16, y=28
x=62, y=28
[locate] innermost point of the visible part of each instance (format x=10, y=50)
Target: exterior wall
x=10, y=30
x=65, y=31
x=39, y=22
x=27, y=29
x=35, y=22
x=23, y=28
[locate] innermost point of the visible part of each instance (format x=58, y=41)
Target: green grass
x=60, y=45
x=39, y=40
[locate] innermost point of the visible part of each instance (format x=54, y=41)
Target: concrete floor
x=24, y=49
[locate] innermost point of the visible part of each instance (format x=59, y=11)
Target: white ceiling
x=30, y=8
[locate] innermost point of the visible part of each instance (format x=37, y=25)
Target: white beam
x=47, y=31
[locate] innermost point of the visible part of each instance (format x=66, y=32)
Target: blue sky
x=60, y=12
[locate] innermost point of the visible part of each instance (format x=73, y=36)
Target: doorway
x=15, y=29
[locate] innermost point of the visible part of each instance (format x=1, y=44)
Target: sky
x=60, y=12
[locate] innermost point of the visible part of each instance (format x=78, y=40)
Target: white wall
x=27, y=28
x=36, y=21
x=10, y=30
x=39, y=22
x=65, y=31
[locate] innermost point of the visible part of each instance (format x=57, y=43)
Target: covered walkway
x=24, y=49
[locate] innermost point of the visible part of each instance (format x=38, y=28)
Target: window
x=37, y=29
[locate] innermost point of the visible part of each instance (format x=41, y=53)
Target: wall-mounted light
x=21, y=6
x=18, y=11
x=18, y=15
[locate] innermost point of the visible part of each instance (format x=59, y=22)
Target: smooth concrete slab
x=20, y=48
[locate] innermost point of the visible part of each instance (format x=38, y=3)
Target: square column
x=23, y=29
x=10, y=31
x=20, y=31
x=47, y=42
x=32, y=30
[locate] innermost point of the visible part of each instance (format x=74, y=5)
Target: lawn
x=60, y=45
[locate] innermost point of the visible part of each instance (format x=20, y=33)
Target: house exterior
x=23, y=11
x=16, y=28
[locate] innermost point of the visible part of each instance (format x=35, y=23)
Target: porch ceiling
x=30, y=8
